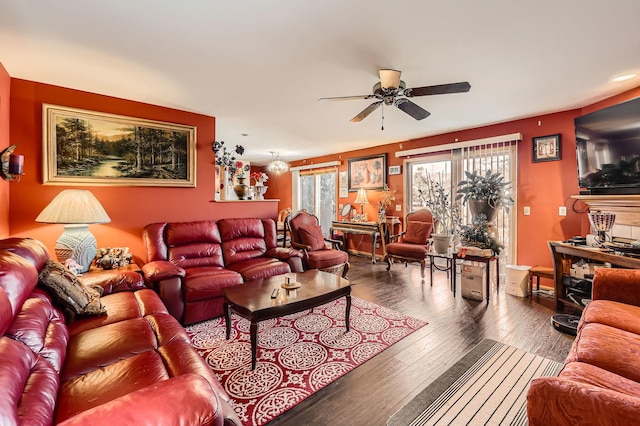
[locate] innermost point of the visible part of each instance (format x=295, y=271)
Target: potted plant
x=485, y=193
x=446, y=214
x=479, y=234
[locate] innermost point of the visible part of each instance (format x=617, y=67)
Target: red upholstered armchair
x=307, y=236
x=412, y=245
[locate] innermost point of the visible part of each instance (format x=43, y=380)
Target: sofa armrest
x=283, y=253
x=181, y=400
x=618, y=285
x=558, y=401
x=113, y=281
x=159, y=270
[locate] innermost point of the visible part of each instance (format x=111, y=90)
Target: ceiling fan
x=390, y=90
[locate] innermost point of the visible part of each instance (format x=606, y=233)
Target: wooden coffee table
x=253, y=300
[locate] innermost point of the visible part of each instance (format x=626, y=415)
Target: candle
x=16, y=162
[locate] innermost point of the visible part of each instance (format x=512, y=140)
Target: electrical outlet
x=398, y=207
x=562, y=211
x=527, y=211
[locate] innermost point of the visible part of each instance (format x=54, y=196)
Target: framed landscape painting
x=91, y=148
x=367, y=172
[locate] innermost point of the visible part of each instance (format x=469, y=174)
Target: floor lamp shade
x=76, y=209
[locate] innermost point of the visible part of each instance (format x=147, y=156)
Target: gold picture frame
x=367, y=172
x=84, y=148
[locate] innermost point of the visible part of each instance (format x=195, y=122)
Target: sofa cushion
x=417, y=232
x=608, y=348
x=261, y=267
x=616, y=314
x=595, y=376
x=205, y=283
x=70, y=293
x=312, y=236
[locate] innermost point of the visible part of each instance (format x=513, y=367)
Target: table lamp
x=361, y=199
x=76, y=209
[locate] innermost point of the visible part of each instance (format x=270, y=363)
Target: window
x=449, y=167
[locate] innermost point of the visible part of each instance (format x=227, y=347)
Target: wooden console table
x=562, y=252
x=374, y=229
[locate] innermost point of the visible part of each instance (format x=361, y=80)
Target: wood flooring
x=371, y=393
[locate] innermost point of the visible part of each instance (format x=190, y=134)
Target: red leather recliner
x=189, y=263
x=132, y=365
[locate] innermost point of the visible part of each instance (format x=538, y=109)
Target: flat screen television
x=608, y=149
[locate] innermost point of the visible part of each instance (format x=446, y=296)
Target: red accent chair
x=307, y=236
x=412, y=245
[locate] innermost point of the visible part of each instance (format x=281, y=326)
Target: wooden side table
x=94, y=270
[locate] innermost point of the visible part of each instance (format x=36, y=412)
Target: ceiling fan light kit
x=393, y=91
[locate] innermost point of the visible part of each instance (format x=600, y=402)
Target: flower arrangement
x=445, y=213
x=259, y=177
x=388, y=197
x=479, y=235
x=227, y=158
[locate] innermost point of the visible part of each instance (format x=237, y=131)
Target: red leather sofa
x=133, y=365
x=600, y=381
x=189, y=263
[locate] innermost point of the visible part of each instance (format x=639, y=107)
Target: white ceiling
x=259, y=66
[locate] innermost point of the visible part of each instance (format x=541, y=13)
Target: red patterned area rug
x=298, y=354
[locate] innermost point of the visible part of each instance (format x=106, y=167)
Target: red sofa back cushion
x=245, y=239
x=183, y=242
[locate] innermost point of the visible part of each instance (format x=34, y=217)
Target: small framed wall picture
x=395, y=170
x=546, y=148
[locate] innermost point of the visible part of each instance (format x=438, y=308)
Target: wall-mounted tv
x=608, y=149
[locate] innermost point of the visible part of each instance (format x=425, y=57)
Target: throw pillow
x=417, y=232
x=71, y=294
x=312, y=236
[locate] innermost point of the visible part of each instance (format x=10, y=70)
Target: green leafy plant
x=445, y=213
x=479, y=235
x=490, y=187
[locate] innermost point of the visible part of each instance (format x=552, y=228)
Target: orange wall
x=543, y=186
x=5, y=85
x=130, y=208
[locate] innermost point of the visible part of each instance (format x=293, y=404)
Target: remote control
x=274, y=293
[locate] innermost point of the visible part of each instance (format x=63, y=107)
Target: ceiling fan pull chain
x=382, y=128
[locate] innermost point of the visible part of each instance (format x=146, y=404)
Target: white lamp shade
x=390, y=79
x=74, y=206
x=361, y=198
x=76, y=209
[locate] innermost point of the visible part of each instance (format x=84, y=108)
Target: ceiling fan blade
x=365, y=112
x=440, y=89
x=390, y=79
x=412, y=109
x=346, y=98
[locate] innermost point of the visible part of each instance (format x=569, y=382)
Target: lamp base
x=76, y=242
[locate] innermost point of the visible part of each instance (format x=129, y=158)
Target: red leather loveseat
x=600, y=381
x=133, y=365
x=189, y=263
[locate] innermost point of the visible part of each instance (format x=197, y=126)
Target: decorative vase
x=482, y=206
x=221, y=182
x=241, y=188
x=259, y=191
x=441, y=242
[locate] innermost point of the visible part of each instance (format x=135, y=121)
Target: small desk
x=374, y=229
x=451, y=266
